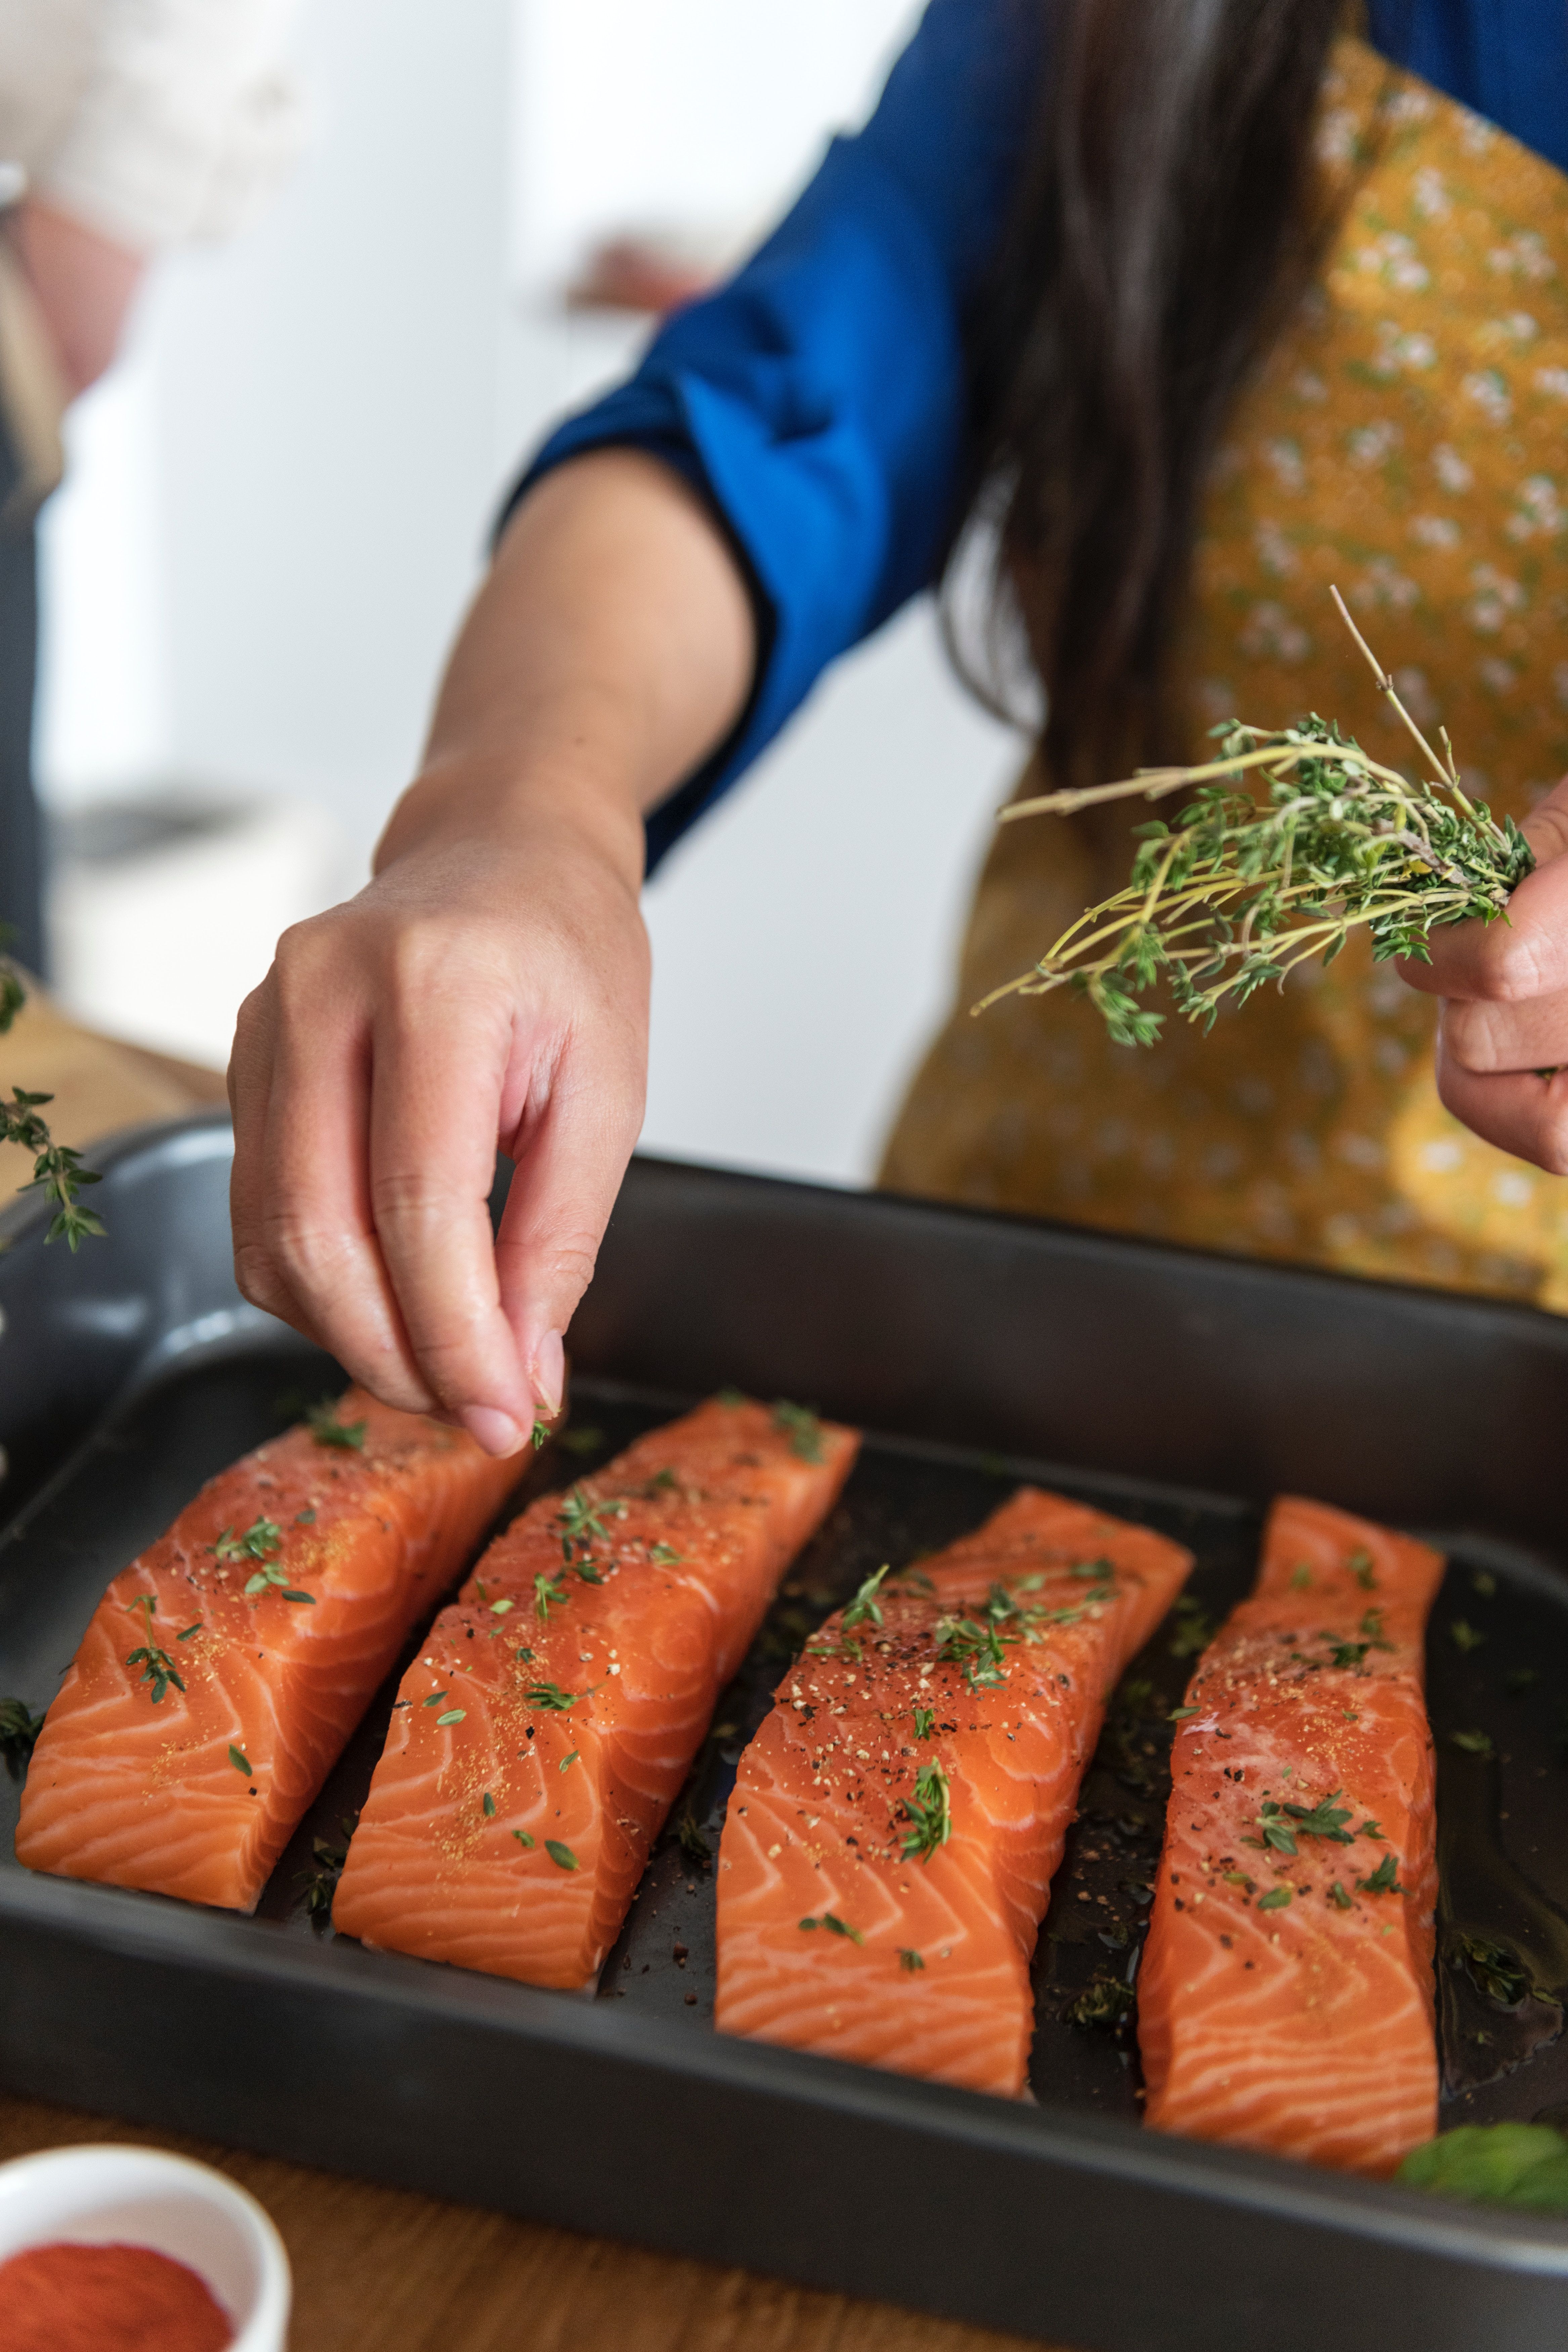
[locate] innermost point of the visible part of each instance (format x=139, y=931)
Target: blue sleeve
x=1508, y=62
x=817, y=399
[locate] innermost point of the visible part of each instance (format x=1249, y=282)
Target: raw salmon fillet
x=889, y=1846
x=1285, y=1999
x=224, y=1670
x=545, y=1729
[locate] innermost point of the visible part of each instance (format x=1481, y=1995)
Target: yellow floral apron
x=1407, y=438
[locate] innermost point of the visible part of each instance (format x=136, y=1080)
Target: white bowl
x=140, y=2197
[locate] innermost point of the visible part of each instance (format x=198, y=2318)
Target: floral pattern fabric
x=1406, y=439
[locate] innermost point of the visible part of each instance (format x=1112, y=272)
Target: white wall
x=279, y=503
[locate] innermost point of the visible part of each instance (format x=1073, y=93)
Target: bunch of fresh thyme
x=1248, y=884
x=58, y=1169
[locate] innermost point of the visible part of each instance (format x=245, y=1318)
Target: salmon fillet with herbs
x=1286, y=1995
x=224, y=1670
x=546, y=1728
x=889, y=1845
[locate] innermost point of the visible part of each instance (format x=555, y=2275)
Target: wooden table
x=380, y=2270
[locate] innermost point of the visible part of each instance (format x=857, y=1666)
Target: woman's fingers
x=309, y=1179
x=442, y=1045
x=1504, y=1018
x=1524, y=954
x=1491, y=1039
x=1520, y=1112
x=584, y=1117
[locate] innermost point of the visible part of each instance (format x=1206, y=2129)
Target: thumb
x=568, y=1172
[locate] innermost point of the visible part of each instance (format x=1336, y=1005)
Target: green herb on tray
x=57, y=1171
x=1524, y=2165
x=19, y=1729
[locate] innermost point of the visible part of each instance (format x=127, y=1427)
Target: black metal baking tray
x=1175, y=1387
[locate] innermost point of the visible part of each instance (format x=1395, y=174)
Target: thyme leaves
x=866, y=1609
x=549, y=1698
x=158, y=1668
x=262, y=1540
x=19, y=1729
x=835, y=1926
x=548, y=1592
x=344, y=1436
x=928, y=1809
x=801, y=1427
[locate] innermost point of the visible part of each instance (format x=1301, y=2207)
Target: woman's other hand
x=1503, y=1019
x=489, y=986
x=82, y=282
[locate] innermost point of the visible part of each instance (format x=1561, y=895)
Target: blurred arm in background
x=130, y=125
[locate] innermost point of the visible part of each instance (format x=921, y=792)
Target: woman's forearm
x=609, y=652
x=489, y=986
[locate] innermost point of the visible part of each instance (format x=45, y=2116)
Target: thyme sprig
x=57, y=1171
x=1292, y=838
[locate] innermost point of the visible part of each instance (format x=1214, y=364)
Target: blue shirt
x=818, y=397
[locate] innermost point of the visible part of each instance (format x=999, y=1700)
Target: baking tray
x=1172, y=1386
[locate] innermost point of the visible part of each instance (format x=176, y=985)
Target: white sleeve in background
x=156, y=122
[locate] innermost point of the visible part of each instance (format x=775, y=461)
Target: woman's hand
x=1504, y=1016
x=83, y=283
x=489, y=987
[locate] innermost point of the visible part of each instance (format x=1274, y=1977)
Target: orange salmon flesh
x=546, y=1728
x=224, y=1670
x=889, y=1846
x=1285, y=1999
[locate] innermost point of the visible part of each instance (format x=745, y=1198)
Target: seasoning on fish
x=551, y=1718
x=1285, y=1999
x=890, y=1843
x=224, y=1670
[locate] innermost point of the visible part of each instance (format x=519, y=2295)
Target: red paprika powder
x=65, y=2298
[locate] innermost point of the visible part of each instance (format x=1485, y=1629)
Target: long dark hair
x=1164, y=220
